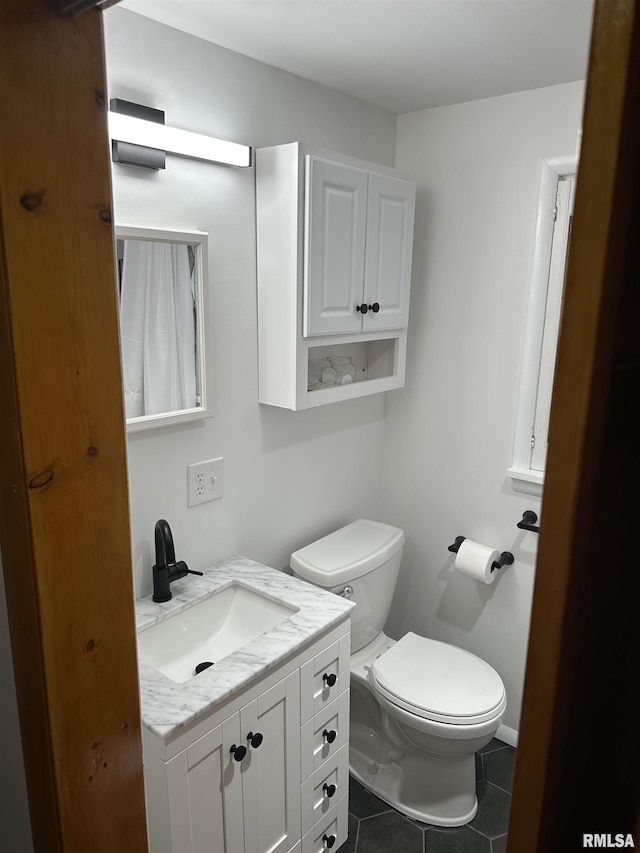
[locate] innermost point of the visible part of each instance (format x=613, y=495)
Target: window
x=553, y=231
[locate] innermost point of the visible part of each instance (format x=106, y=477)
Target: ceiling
x=402, y=55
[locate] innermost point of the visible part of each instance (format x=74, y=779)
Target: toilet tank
x=364, y=555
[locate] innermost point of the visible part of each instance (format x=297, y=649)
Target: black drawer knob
x=238, y=752
x=330, y=735
x=330, y=678
x=329, y=790
x=329, y=841
x=255, y=739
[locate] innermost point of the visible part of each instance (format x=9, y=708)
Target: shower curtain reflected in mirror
x=157, y=327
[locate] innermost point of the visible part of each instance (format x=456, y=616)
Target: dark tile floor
x=374, y=827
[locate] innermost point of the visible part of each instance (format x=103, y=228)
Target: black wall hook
x=506, y=559
x=528, y=522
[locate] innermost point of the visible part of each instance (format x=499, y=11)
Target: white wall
x=288, y=476
x=449, y=434
x=444, y=446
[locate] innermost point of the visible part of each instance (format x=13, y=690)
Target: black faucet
x=166, y=569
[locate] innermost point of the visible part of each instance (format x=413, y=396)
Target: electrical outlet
x=204, y=481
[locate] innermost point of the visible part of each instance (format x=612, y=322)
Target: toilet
x=420, y=708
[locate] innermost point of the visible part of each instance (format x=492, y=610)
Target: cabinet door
x=205, y=794
x=335, y=227
x=390, y=215
x=271, y=772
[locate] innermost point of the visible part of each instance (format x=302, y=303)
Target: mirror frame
x=200, y=240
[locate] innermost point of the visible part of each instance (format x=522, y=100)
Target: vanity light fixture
x=132, y=126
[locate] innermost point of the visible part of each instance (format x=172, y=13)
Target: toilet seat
x=438, y=681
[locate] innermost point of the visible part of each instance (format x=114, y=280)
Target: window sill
x=526, y=480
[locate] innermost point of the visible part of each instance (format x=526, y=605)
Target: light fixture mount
x=130, y=153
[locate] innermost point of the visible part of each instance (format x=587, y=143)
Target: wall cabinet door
x=359, y=240
x=335, y=228
x=387, y=275
x=271, y=772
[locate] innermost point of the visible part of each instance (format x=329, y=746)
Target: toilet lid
x=347, y=553
x=438, y=681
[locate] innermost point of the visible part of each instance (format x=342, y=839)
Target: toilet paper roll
x=475, y=560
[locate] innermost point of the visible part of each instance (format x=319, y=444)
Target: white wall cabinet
x=268, y=773
x=335, y=240
x=335, y=230
x=358, y=244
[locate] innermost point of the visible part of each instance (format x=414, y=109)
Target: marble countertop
x=167, y=706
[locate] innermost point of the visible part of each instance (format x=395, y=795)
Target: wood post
x=64, y=522
x=578, y=758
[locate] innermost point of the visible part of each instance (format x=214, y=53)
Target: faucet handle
x=182, y=570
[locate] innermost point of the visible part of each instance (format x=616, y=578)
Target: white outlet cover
x=204, y=481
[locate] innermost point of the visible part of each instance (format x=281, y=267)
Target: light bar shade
x=124, y=128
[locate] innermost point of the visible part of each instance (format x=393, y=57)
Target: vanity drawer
x=324, y=788
x=322, y=736
x=324, y=677
x=331, y=831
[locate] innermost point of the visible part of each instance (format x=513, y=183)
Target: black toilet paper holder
x=506, y=557
x=528, y=522
x=456, y=545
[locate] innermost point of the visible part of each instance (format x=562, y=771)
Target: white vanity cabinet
x=249, y=777
x=221, y=803
x=335, y=240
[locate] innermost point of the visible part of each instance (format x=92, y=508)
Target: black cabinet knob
x=330, y=678
x=238, y=752
x=329, y=790
x=254, y=739
x=363, y=308
x=375, y=307
x=330, y=735
x=329, y=841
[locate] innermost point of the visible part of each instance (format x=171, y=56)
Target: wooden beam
x=577, y=767
x=64, y=523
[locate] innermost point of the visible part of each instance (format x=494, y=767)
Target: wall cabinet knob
x=329, y=841
x=375, y=307
x=254, y=739
x=363, y=308
x=329, y=790
x=330, y=735
x=330, y=678
x=238, y=752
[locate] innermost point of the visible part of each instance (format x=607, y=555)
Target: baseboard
x=507, y=735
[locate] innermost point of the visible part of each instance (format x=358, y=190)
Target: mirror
x=163, y=316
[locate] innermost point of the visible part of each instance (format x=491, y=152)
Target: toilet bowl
x=420, y=708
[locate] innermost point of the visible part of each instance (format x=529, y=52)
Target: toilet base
x=441, y=792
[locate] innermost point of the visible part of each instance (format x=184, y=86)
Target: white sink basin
x=209, y=630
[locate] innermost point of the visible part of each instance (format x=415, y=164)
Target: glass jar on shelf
x=328, y=374
x=345, y=369
x=321, y=374
x=315, y=372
